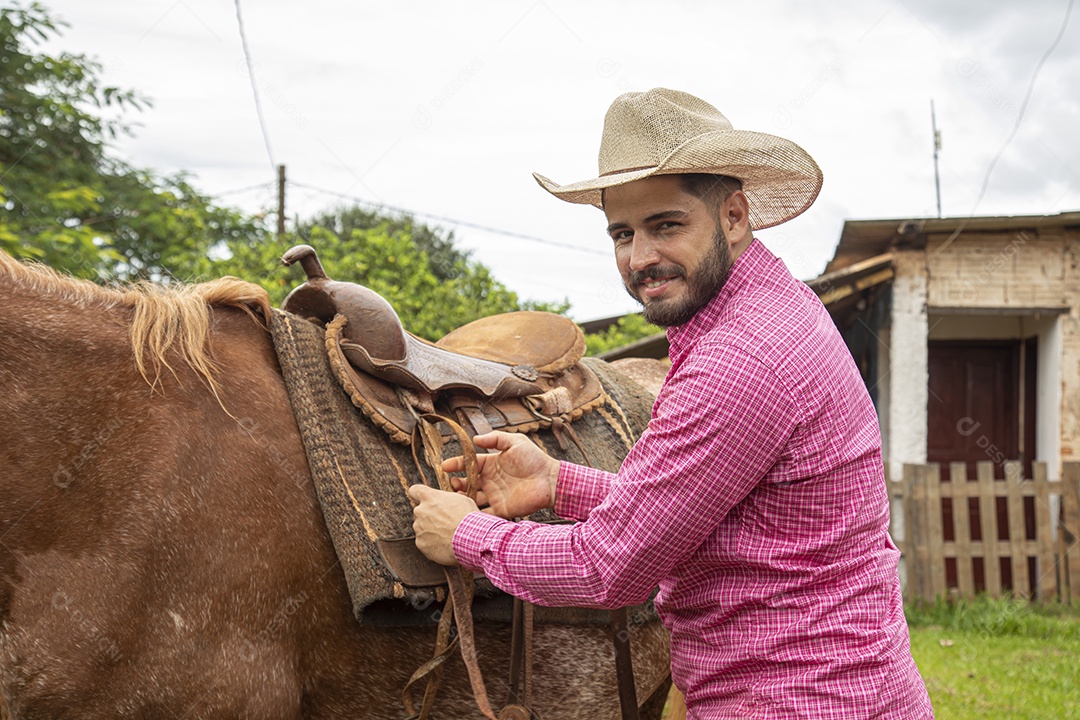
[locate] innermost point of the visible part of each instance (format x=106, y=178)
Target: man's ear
x=735, y=217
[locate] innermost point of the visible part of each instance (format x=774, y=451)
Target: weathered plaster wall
x=908, y=376
x=995, y=270
x=1050, y=397
x=884, y=338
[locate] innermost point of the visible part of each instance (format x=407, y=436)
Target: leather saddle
x=517, y=372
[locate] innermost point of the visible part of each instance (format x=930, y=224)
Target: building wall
x=1050, y=396
x=1008, y=271
x=1026, y=268
x=907, y=367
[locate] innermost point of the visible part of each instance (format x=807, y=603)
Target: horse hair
x=166, y=317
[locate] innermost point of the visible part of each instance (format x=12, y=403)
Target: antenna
x=937, y=147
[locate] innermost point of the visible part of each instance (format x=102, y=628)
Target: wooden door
x=973, y=411
x=974, y=415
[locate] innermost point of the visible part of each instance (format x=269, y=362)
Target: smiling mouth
x=654, y=288
x=653, y=283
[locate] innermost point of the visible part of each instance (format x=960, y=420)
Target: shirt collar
x=748, y=265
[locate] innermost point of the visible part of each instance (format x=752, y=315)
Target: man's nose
x=643, y=254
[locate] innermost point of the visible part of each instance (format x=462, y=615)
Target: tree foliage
x=628, y=329
x=66, y=200
x=388, y=259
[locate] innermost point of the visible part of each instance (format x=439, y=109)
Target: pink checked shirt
x=756, y=501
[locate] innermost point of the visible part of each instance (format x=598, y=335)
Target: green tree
x=388, y=259
x=628, y=329
x=437, y=243
x=65, y=200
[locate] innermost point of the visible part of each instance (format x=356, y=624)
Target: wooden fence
x=964, y=535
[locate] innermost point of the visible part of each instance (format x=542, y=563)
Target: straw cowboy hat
x=667, y=132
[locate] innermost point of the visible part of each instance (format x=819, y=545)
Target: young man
x=756, y=498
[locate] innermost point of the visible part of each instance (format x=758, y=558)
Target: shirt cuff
x=579, y=489
x=478, y=533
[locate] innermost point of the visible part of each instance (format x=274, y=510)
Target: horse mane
x=167, y=318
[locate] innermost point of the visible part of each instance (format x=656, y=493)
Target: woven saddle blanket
x=361, y=477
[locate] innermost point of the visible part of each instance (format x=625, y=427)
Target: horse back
x=160, y=543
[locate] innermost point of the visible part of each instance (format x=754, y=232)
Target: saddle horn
x=373, y=323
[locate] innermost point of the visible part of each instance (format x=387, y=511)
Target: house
x=966, y=332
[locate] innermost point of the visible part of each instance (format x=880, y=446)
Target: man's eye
x=622, y=236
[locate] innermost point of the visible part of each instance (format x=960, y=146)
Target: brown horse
x=162, y=552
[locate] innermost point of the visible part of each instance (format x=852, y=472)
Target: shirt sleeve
x=579, y=489
x=720, y=423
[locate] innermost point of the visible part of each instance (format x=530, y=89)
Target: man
x=756, y=498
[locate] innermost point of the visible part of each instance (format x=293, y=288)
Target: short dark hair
x=712, y=189
x=709, y=188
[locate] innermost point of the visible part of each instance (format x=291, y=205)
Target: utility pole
x=281, y=201
x=937, y=147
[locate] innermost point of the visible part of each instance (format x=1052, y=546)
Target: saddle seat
x=514, y=371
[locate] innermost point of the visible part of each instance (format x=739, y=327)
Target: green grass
x=1000, y=659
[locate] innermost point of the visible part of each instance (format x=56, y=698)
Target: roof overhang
x=835, y=286
x=863, y=239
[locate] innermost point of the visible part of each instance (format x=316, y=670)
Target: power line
x=1023, y=105
x=254, y=86
x=1016, y=125
x=234, y=191
x=453, y=221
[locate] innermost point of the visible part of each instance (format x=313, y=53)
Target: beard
x=701, y=287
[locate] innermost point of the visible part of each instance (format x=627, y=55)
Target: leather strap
x=461, y=591
x=521, y=641
x=459, y=581
x=529, y=623
x=624, y=666
x=433, y=668
x=517, y=652
x=459, y=603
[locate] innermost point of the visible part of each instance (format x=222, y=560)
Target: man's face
x=669, y=246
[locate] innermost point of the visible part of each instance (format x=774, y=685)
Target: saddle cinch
x=516, y=372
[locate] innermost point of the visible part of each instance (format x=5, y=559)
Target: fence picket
x=931, y=478
x=988, y=523
x=1045, y=566
x=1014, y=475
x=914, y=544
x=965, y=573
x=1070, y=501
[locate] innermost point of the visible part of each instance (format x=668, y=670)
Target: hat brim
x=780, y=179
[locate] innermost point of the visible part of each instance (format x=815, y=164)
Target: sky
x=446, y=108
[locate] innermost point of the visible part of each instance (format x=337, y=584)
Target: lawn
x=998, y=659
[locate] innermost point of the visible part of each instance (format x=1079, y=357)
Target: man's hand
x=516, y=480
x=435, y=519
